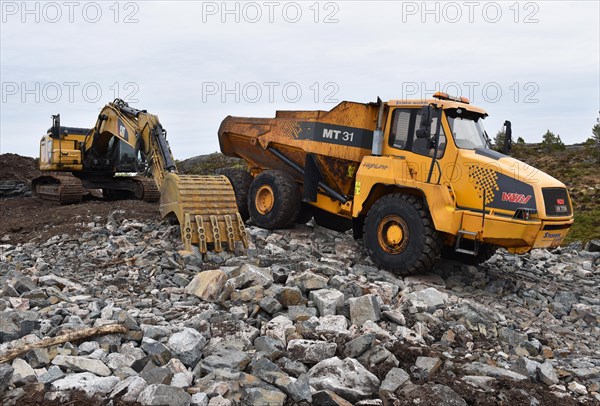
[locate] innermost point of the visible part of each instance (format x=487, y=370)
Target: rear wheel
x=240, y=181
x=274, y=200
x=399, y=235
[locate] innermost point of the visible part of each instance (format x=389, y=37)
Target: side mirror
x=55, y=129
x=424, y=130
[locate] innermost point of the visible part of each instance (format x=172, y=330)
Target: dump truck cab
x=473, y=193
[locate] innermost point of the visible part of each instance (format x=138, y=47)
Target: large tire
x=240, y=181
x=331, y=221
x=484, y=253
x=399, y=235
x=274, y=200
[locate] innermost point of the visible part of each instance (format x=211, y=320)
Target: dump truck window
x=425, y=147
x=403, y=133
x=400, y=128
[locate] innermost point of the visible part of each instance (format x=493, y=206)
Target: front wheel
x=399, y=235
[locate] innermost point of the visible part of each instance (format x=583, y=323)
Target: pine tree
x=552, y=142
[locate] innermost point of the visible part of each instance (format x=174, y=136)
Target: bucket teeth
x=206, y=209
x=216, y=233
x=229, y=232
x=201, y=235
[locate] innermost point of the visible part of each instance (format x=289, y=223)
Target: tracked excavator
x=126, y=141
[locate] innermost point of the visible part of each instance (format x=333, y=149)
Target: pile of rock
x=13, y=188
x=303, y=318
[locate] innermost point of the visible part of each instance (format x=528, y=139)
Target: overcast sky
x=193, y=63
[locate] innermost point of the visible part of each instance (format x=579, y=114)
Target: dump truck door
x=403, y=140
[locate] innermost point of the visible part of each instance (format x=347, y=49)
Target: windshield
x=467, y=129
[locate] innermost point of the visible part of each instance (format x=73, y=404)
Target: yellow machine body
x=474, y=193
x=128, y=140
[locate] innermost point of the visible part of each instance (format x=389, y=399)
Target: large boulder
x=347, y=378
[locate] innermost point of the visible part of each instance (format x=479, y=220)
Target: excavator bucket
x=206, y=209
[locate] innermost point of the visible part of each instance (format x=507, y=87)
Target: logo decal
x=560, y=201
x=515, y=198
x=369, y=165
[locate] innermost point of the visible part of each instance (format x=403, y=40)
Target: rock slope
x=303, y=318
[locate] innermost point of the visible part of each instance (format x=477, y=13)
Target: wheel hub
x=392, y=234
x=265, y=199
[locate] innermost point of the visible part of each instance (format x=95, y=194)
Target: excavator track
x=60, y=187
x=206, y=209
x=146, y=189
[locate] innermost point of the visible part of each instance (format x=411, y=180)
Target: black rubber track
x=286, y=204
x=423, y=246
x=240, y=181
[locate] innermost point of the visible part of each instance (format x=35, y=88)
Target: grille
x=556, y=201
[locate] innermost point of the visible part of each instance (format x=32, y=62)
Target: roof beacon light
x=446, y=96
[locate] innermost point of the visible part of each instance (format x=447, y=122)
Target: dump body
x=338, y=139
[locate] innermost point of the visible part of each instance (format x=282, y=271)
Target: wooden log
x=73, y=336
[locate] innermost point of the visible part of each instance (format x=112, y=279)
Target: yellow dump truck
x=415, y=179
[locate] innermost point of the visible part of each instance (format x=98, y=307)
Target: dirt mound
x=17, y=167
x=30, y=219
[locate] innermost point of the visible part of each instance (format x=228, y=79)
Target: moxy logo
x=515, y=197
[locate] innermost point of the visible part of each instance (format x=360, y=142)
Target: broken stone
x=270, y=346
x=348, y=378
x=289, y=296
x=87, y=382
x=394, y=379
x=356, y=347
x=327, y=301
x=310, y=351
x=329, y=398
x=129, y=389
x=187, y=345
x=52, y=374
x=156, y=350
x=307, y=281
x=157, y=395
x=547, y=374
x=364, y=308
x=82, y=364
x=478, y=368
x=432, y=297
x=278, y=328
x=207, y=285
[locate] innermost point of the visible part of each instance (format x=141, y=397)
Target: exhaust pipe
x=378, y=133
